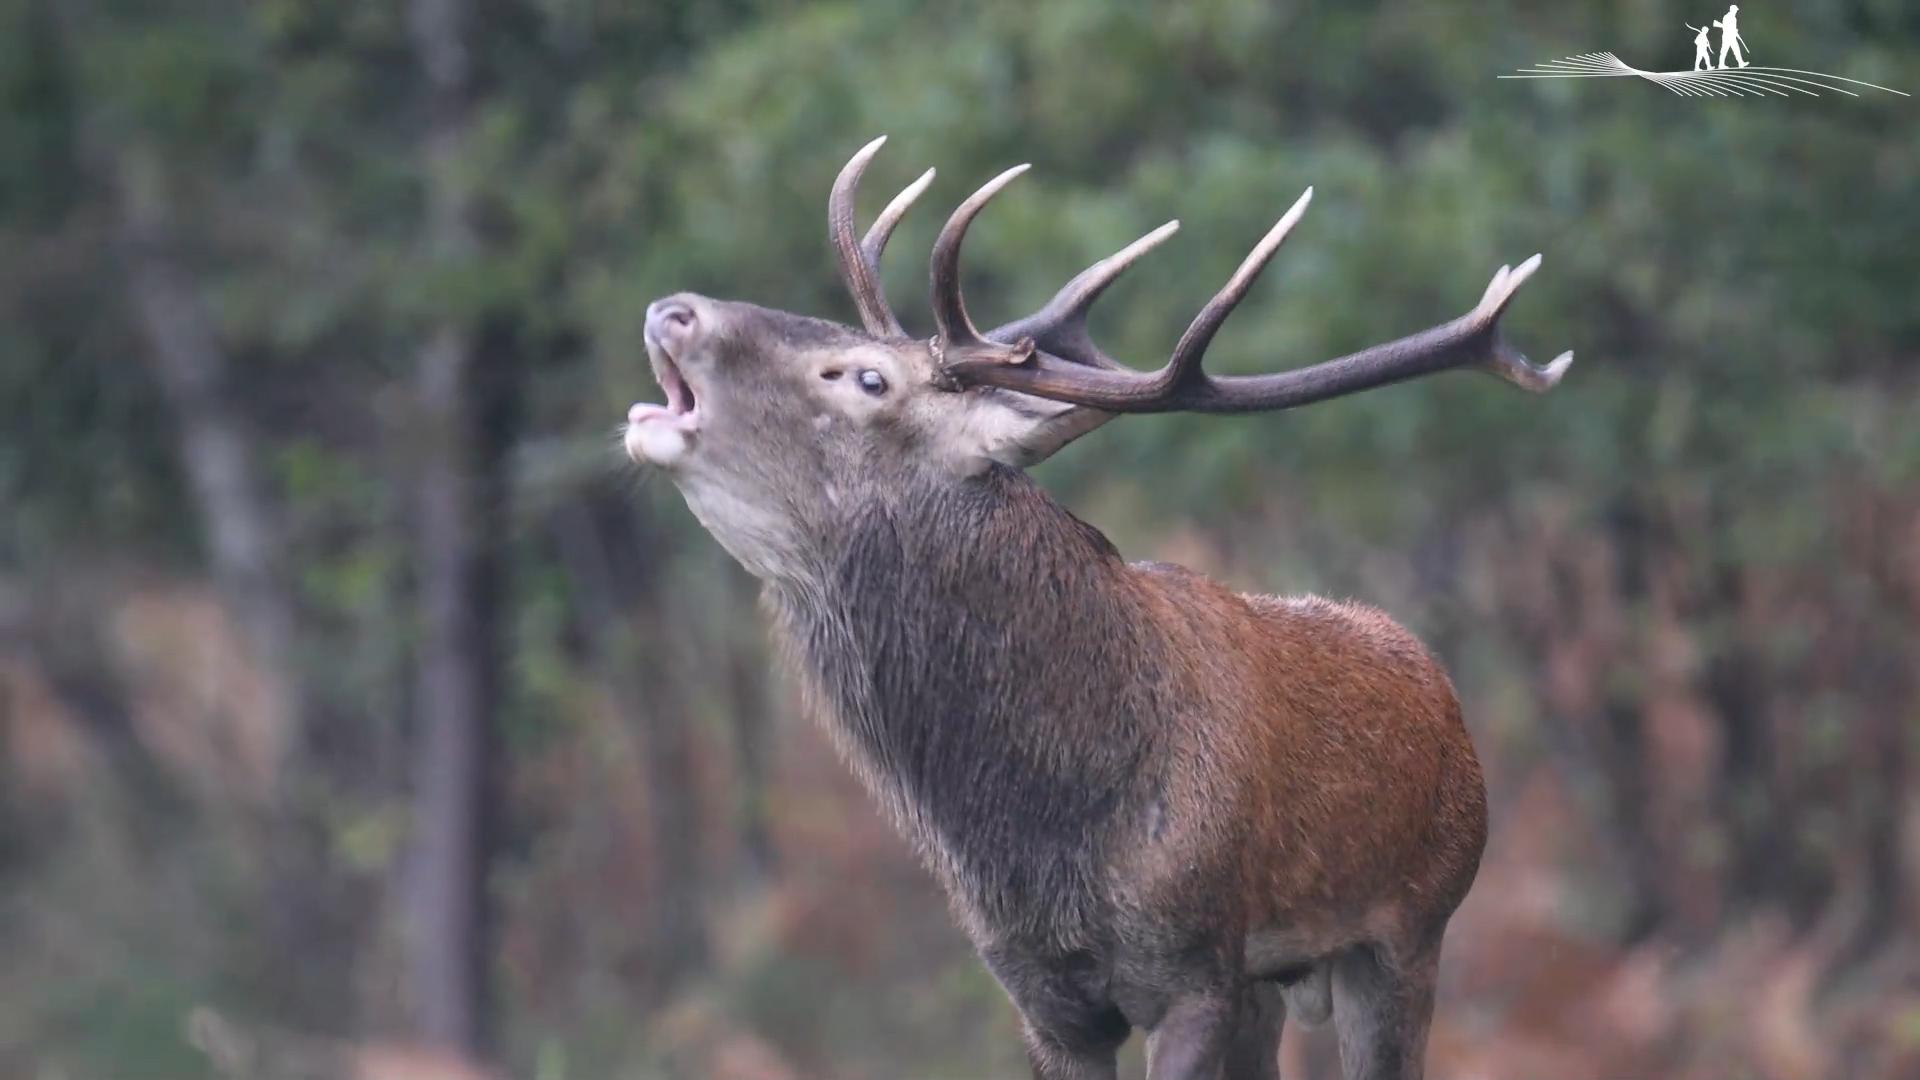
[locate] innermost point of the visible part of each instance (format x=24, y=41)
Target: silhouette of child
x=1702, y=48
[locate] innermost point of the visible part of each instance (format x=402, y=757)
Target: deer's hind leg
x=1382, y=1005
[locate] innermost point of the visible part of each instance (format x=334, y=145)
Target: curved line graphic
x=1753, y=81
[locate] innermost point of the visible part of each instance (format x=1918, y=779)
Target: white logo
x=1732, y=76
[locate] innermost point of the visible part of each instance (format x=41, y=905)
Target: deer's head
x=775, y=425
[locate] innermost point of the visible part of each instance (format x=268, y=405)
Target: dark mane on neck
x=969, y=642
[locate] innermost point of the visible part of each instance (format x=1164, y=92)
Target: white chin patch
x=656, y=442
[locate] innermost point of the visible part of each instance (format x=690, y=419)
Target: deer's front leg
x=1190, y=1042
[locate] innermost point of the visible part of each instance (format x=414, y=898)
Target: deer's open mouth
x=663, y=434
x=682, y=409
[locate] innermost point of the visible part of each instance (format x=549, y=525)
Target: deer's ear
x=1015, y=429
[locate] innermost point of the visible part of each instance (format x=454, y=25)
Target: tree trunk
x=461, y=393
x=219, y=452
x=751, y=711
x=606, y=550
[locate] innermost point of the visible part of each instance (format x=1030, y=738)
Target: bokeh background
x=363, y=711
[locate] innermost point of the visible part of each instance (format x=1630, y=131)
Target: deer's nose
x=671, y=322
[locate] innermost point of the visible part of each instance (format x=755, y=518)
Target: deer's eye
x=873, y=382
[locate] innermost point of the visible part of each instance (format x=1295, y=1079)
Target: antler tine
x=860, y=260
x=1184, y=365
x=1472, y=340
x=1061, y=326
x=1506, y=361
x=949, y=310
x=856, y=270
x=877, y=236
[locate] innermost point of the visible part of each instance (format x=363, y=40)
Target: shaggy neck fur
x=971, y=644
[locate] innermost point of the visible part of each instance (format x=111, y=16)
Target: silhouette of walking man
x=1702, y=48
x=1730, y=40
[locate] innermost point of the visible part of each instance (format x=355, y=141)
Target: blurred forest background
x=363, y=709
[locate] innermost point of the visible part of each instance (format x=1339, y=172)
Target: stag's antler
x=860, y=260
x=1059, y=327
x=1049, y=354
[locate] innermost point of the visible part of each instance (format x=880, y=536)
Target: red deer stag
x=1155, y=802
